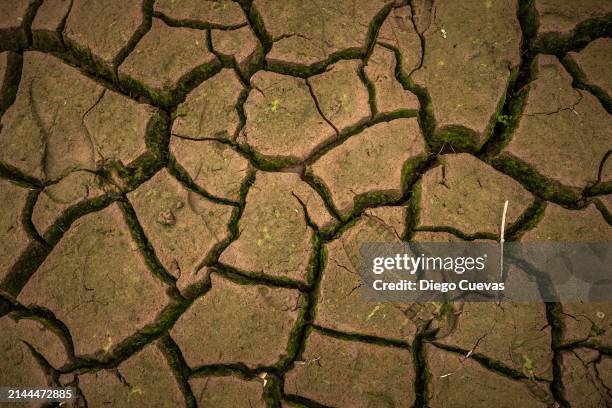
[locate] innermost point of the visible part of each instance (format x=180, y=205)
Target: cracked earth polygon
x=185, y=185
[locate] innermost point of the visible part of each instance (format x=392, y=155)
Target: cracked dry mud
x=185, y=185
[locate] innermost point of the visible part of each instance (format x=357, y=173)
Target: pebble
x=166, y=217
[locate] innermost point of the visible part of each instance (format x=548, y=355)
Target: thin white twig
x=501, y=241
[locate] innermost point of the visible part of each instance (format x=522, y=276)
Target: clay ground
x=185, y=185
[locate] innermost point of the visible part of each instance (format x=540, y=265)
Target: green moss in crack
x=139, y=171
x=296, y=337
x=529, y=20
x=584, y=32
x=422, y=375
x=314, y=268
x=257, y=278
x=239, y=370
x=178, y=172
x=157, y=135
x=267, y=163
x=166, y=97
x=137, y=341
x=373, y=199
x=10, y=82
x=362, y=338
x=375, y=25
x=485, y=361
x=411, y=171
x=254, y=63
x=191, y=80
x=535, y=182
x=334, y=231
x=18, y=177
x=306, y=71
x=55, y=232
x=508, y=118
x=144, y=246
x=458, y=138
x=47, y=42
x=601, y=188
x=308, y=304
x=85, y=58
x=527, y=220
x=426, y=117
x=605, y=212
x=371, y=90
x=273, y=391
x=499, y=116
x=257, y=24
x=317, y=184
x=413, y=211
x=157, y=98
x=25, y=266
x=179, y=367
x=507, y=122
x=581, y=81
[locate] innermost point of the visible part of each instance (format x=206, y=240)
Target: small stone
x=184, y=235
x=174, y=269
x=166, y=217
x=179, y=205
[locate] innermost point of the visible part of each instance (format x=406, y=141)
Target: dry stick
x=501, y=241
